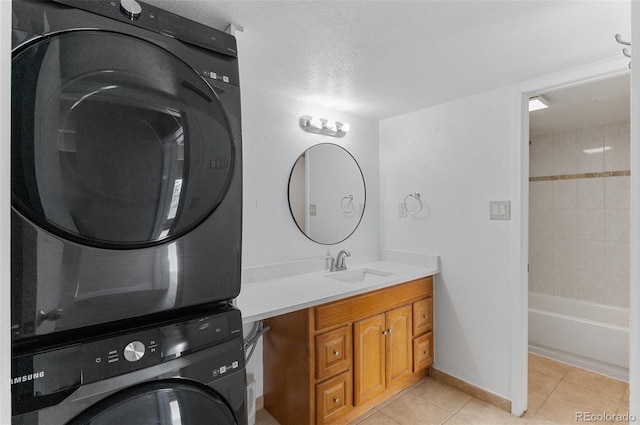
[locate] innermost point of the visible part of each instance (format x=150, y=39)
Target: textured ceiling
x=594, y=103
x=383, y=58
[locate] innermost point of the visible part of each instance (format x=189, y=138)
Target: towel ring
x=347, y=207
x=416, y=196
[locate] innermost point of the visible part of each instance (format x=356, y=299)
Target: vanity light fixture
x=536, y=103
x=323, y=126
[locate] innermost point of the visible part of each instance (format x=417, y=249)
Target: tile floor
x=557, y=394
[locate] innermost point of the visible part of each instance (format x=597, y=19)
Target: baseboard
x=259, y=403
x=596, y=366
x=477, y=392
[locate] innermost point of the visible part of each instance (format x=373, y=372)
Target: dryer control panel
x=155, y=19
x=43, y=378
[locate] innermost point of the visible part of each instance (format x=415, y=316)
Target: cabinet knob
x=425, y=316
x=426, y=352
x=336, y=400
x=336, y=353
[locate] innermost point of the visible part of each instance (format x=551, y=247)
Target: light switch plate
x=402, y=210
x=500, y=210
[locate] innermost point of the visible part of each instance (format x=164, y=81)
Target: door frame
x=520, y=207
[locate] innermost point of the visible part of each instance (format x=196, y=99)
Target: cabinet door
x=333, y=352
x=333, y=398
x=423, y=351
x=369, y=354
x=399, y=351
x=422, y=316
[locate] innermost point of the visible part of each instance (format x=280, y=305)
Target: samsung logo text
x=26, y=378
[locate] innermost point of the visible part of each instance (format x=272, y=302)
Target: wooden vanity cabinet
x=331, y=363
x=382, y=352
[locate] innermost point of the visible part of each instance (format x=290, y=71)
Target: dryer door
x=159, y=403
x=116, y=143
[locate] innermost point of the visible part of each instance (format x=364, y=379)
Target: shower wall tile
x=591, y=224
x=591, y=255
x=591, y=156
x=590, y=193
x=618, y=130
x=617, y=223
x=579, y=223
x=541, y=223
x=541, y=251
x=541, y=159
x=617, y=289
x=617, y=155
x=565, y=159
x=617, y=257
x=565, y=194
x=569, y=279
x=541, y=279
x=591, y=286
x=566, y=137
x=541, y=195
x=591, y=134
x=565, y=253
x=565, y=224
x=616, y=192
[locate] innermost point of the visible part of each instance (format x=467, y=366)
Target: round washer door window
x=116, y=142
x=160, y=403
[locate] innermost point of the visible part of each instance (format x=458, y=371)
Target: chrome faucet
x=339, y=264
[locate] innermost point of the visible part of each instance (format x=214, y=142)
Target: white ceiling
x=585, y=105
x=383, y=58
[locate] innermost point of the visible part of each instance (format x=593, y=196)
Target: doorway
x=520, y=201
x=578, y=240
x=520, y=207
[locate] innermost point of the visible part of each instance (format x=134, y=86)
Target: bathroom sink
x=357, y=275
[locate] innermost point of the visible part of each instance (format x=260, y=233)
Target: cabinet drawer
x=422, y=316
x=422, y=351
x=333, y=352
x=333, y=398
x=366, y=305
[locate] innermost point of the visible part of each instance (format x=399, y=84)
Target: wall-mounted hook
x=621, y=41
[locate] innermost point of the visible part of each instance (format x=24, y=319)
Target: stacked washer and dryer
x=126, y=217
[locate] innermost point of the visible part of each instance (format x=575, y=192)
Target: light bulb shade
x=315, y=122
x=323, y=126
x=331, y=125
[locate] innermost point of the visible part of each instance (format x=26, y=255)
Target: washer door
x=159, y=403
x=116, y=143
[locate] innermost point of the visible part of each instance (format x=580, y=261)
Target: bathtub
x=585, y=334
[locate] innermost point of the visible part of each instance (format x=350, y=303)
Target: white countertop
x=268, y=298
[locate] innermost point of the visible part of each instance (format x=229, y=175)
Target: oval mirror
x=327, y=193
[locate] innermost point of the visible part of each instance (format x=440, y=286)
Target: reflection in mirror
x=327, y=193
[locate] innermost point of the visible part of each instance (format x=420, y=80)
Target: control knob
x=131, y=9
x=134, y=351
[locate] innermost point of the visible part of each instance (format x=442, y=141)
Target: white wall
x=272, y=142
x=634, y=340
x=458, y=156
